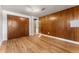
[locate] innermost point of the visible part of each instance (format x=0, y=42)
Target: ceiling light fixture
x=34, y=9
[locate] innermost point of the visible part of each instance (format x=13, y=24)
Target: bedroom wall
x=59, y=24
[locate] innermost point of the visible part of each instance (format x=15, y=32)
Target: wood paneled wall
x=17, y=26
x=58, y=24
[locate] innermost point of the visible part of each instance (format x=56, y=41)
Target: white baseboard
x=58, y=38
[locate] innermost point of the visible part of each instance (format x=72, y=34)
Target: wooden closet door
x=17, y=26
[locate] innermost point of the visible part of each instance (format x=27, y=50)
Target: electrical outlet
x=48, y=32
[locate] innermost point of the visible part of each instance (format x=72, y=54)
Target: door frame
x=5, y=27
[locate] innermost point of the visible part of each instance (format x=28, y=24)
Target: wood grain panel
x=58, y=24
x=76, y=29
x=17, y=26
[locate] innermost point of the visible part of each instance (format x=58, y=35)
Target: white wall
x=1, y=20
x=37, y=26
x=4, y=26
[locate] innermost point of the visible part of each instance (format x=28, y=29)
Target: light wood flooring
x=36, y=44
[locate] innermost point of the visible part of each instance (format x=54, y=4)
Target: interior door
x=17, y=26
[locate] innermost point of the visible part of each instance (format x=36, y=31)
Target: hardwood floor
x=36, y=44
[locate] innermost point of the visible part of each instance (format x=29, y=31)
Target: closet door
x=17, y=26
